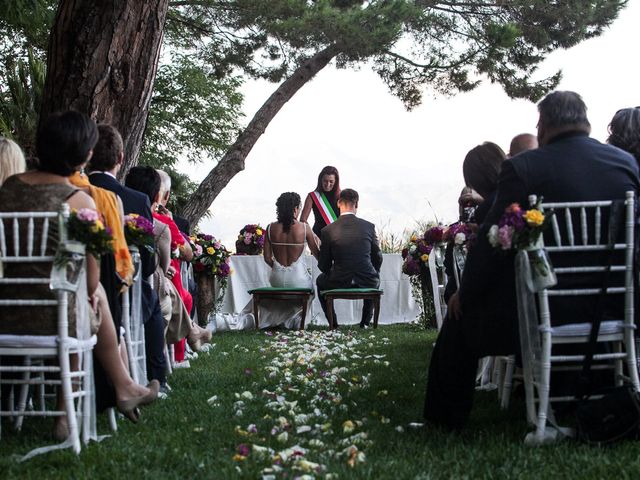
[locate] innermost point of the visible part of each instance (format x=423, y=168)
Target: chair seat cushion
x=608, y=327
x=41, y=341
x=280, y=290
x=339, y=291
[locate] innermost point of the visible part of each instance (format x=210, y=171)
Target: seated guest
x=179, y=324
x=284, y=248
x=482, y=316
x=64, y=144
x=107, y=160
x=480, y=168
x=11, y=159
x=521, y=143
x=624, y=131
x=180, y=245
x=349, y=254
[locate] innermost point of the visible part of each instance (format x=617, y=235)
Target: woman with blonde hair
x=11, y=159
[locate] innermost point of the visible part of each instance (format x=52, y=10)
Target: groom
x=349, y=254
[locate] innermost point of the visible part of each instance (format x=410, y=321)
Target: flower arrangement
x=210, y=256
x=518, y=229
x=416, y=253
x=521, y=230
x=139, y=231
x=85, y=226
x=459, y=234
x=250, y=240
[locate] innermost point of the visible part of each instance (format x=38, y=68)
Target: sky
x=406, y=166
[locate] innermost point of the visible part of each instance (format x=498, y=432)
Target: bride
x=285, y=244
x=284, y=248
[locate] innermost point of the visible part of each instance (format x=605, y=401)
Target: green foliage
x=194, y=116
x=20, y=101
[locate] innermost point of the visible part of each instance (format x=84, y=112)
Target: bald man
x=522, y=143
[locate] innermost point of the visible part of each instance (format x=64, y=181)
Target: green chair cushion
x=279, y=290
x=338, y=291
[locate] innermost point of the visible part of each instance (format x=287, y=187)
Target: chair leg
x=113, y=424
x=67, y=396
x=256, y=310
x=329, y=304
x=376, y=310
x=508, y=381
x=24, y=393
x=305, y=302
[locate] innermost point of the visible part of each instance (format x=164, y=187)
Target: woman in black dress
x=323, y=200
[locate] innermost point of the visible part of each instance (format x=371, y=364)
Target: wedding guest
x=177, y=319
x=624, y=131
x=481, y=168
x=521, y=143
x=482, y=315
x=350, y=255
x=11, y=159
x=180, y=245
x=323, y=200
x=107, y=160
x=64, y=144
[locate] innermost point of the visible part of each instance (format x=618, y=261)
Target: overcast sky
x=407, y=166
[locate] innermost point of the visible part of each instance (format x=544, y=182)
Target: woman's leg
x=108, y=354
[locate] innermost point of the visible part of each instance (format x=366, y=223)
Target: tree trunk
x=102, y=61
x=233, y=161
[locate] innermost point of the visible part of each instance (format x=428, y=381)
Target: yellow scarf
x=107, y=205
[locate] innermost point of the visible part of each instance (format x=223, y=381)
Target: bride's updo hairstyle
x=285, y=205
x=64, y=142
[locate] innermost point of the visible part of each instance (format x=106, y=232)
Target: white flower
x=412, y=249
x=283, y=437
x=213, y=400
x=247, y=395
x=460, y=238
x=492, y=236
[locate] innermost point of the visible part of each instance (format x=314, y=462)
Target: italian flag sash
x=328, y=215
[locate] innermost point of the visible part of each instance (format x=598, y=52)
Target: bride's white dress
x=275, y=312
x=296, y=275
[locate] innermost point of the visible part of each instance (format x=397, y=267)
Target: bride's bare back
x=286, y=247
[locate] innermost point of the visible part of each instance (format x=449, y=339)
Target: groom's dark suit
x=572, y=167
x=349, y=257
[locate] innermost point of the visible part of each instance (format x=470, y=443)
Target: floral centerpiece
x=86, y=226
x=211, y=264
x=250, y=240
x=521, y=230
x=139, y=232
x=415, y=264
x=459, y=235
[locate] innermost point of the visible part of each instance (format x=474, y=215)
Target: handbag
x=615, y=414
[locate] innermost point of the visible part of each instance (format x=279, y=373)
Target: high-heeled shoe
x=197, y=336
x=129, y=407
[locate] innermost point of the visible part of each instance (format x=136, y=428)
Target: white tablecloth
x=397, y=304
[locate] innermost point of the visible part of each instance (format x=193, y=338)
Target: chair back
x=438, y=283
x=23, y=240
x=579, y=248
x=133, y=322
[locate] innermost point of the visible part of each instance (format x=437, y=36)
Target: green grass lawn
x=287, y=405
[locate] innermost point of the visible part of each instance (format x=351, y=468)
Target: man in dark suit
x=106, y=162
x=349, y=254
x=482, y=317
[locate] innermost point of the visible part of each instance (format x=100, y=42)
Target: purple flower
x=434, y=235
x=87, y=215
x=208, y=238
x=244, y=450
x=505, y=236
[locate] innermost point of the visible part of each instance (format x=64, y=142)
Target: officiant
x=323, y=200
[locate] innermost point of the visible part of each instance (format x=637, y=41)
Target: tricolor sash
x=324, y=207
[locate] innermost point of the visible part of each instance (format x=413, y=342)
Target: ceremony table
x=397, y=304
